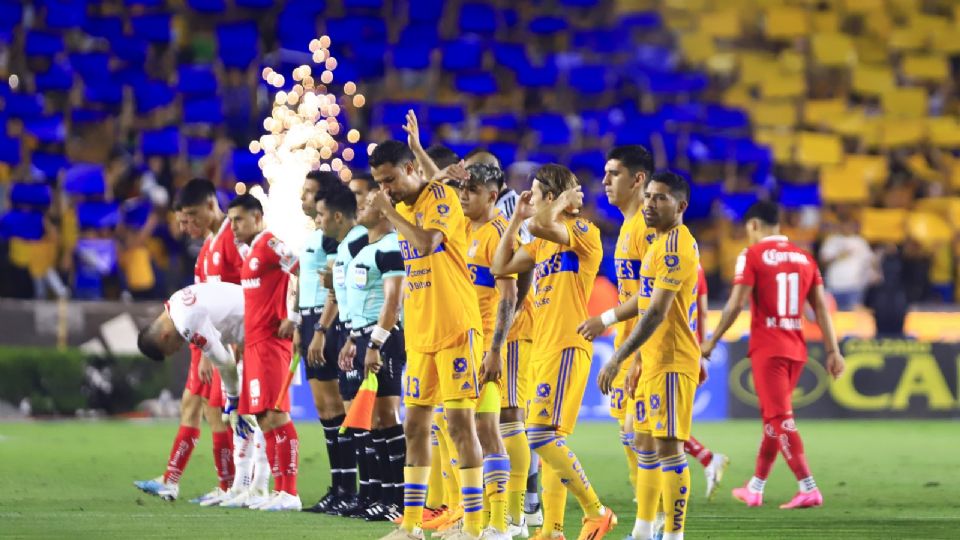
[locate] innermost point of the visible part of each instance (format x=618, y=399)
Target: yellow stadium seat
x=817, y=149
x=783, y=85
x=785, y=22
x=696, y=47
x=883, y=224
x=849, y=123
x=738, y=95
x=820, y=111
x=680, y=21
x=833, y=50
x=896, y=133
x=825, y=21
x=840, y=185
x=873, y=169
x=929, y=24
x=918, y=165
x=928, y=229
x=945, y=42
x=906, y=39
x=907, y=102
x=686, y=5
x=879, y=26
x=792, y=62
x=722, y=62
x=755, y=67
x=873, y=80
x=903, y=8
x=955, y=184
x=862, y=6
x=925, y=67
x=780, y=142
x=778, y=113
x=720, y=24
x=944, y=131
x=948, y=208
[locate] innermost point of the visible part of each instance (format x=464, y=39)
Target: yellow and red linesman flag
x=360, y=415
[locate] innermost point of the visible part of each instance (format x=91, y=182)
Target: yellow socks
x=553, y=450
x=626, y=439
x=414, y=496
x=471, y=482
x=496, y=474
x=515, y=441
x=675, y=483
x=435, y=483
x=554, y=500
x=448, y=465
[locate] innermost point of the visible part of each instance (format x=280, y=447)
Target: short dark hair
x=634, y=157
x=323, y=178
x=484, y=156
x=679, y=187
x=367, y=179
x=555, y=179
x=149, y=345
x=481, y=173
x=339, y=198
x=195, y=193
x=247, y=202
x=766, y=211
x=442, y=156
x=393, y=151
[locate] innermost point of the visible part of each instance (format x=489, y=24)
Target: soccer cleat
x=383, y=512
x=263, y=500
x=751, y=498
x=808, y=499
x=347, y=503
x=169, y=492
x=432, y=513
x=150, y=486
x=449, y=529
x=461, y=535
x=659, y=525
x=714, y=473
x=492, y=534
x=543, y=535
x=257, y=498
x=325, y=502
x=359, y=510
x=403, y=534
x=213, y=498
x=236, y=498
x=518, y=530
x=598, y=527
x=535, y=518
x=283, y=502
x=439, y=518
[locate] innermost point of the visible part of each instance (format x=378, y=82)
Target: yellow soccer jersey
x=671, y=263
x=522, y=328
x=482, y=244
x=563, y=280
x=439, y=302
x=632, y=245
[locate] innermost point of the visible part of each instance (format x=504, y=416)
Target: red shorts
x=265, y=367
x=212, y=391
x=775, y=378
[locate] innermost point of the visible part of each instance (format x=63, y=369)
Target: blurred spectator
x=847, y=259
x=887, y=298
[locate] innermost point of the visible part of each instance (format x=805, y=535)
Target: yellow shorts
x=449, y=374
x=664, y=406
x=516, y=374
x=559, y=379
x=619, y=400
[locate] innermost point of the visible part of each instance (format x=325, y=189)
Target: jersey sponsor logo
x=473, y=249
x=565, y=261
x=460, y=365
x=216, y=258
x=581, y=226
x=199, y=340
x=672, y=261
x=651, y=237
x=543, y=390
x=443, y=209
x=254, y=264
x=409, y=253
x=772, y=257
x=671, y=281
x=359, y=277
x=646, y=286
x=481, y=276
x=250, y=283
x=188, y=296
x=628, y=269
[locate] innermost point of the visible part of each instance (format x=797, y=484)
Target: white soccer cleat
x=283, y=502
x=714, y=473
x=403, y=534
x=214, y=498
x=262, y=500
x=520, y=530
x=492, y=534
x=659, y=525
x=236, y=498
x=169, y=492
x=534, y=519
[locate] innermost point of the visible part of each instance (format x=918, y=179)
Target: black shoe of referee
x=347, y=501
x=360, y=510
x=382, y=512
x=333, y=495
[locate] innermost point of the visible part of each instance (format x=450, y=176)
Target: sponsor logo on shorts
x=466, y=386
x=543, y=390
x=655, y=401
x=460, y=365
x=679, y=508
x=189, y=298
x=544, y=413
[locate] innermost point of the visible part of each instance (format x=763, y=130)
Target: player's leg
x=435, y=495
x=532, y=512
x=714, y=464
x=619, y=406
x=450, y=466
x=275, y=358
x=393, y=449
x=188, y=435
x=670, y=411
x=780, y=414
x=764, y=378
x=222, y=451
x=496, y=462
x=512, y=430
x=554, y=413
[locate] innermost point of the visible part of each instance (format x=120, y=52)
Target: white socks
x=642, y=530
x=807, y=484
x=756, y=485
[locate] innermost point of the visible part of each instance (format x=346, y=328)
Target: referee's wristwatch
x=374, y=345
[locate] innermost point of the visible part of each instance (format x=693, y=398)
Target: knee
x=643, y=442
x=416, y=428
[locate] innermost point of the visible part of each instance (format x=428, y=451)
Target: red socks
x=768, y=451
x=223, y=457
x=270, y=437
x=698, y=451
x=288, y=456
x=183, y=446
x=791, y=445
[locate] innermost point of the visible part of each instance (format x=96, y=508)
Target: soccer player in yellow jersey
x=669, y=360
x=442, y=329
x=565, y=257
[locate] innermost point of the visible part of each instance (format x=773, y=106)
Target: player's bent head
x=196, y=192
x=552, y=179
x=442, y=156
x=155, y=341
x=197, y=205
x=393, y=167
x=676, y=184
x=634, y=158
x=246, y=217
x=479, y=193
x=480, y=156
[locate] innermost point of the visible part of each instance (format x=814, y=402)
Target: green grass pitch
x=881, y=479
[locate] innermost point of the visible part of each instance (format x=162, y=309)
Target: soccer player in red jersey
x=199, y=215
x=268, y=330
x=777, y=277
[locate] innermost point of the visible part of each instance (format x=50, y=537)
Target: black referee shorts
x=328, y=370
x=349, y=380
x=393, y=354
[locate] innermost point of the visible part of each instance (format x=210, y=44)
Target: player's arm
x=506, y=310
x=389, y=314
x=818, y=300
x=207, y=338
x=596, y=325
x=738, y=297
x=424, y=240
x=547, y=223
x=412, y=127
x=510, y=257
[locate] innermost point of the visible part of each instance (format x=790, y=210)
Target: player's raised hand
x=490, y=368
x=524, y=209
x=371, y=362
x=607, y=374
x=347, y=352
x=572, y=199
x=453, y=172
x=835, y=364
x=205, y=370
x=591, y=328
x=315, y=350
x=286, y=329
x=412, y=127
x=380, y=201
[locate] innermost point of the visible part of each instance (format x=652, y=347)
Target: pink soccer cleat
x=751, y=498
x=809, y=499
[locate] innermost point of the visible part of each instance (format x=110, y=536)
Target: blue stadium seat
x=106, y=92
x=297, y=25
x=747, y=152
x=544, y=76
x=686, y=113
x=424, y=34
x=47, y=129
x=592, y=160
x=196, y=81
x=641, y=20
x=23, y=224
x=202, y=111
x=104, y=27
x=735, y=205
x=56, y=79
x=542, y=157
x=462, y=148
x=92, y=65
x=547, y=25
x=237, y=44
x=9, y=150
x=152, y=27
x=511, y=55
x=793, y=196
x=596, y=123
x=477, y=83
x=129, y=48
x=32, y=194
x=589, y=79
x=363, y=4
x=130, y=75
x=65, y=14
x=675, y=83
x=208, y=6
x=135, y=212
x=580, y=3
x=653, y=58
x=160, y=142
x=245, y=168
x=85, y=179
x=702, y=200
x=98, y=215
x=151, y=95
x=79, y=115
x=636, y=129
x=11, y=15
x=369, y=64
x=477, y=18
x=505, y=152
x=49, y=164
x=40, y=43
x=429, y=11
x=501, y=121
x=145, y=3
x=463, y=54
x=723, y=118
x=395, y=113
x=412, y=56
x=24, y=105
x=199, y=148
x=510, y=18
x=551, y=128
x=602, y=41
x=256, y=4
x=446, y=114
x=356, y=29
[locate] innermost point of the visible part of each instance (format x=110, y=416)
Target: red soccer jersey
x=264, y=277
x=200, y=267
x=223, y=259
x=781, y=275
